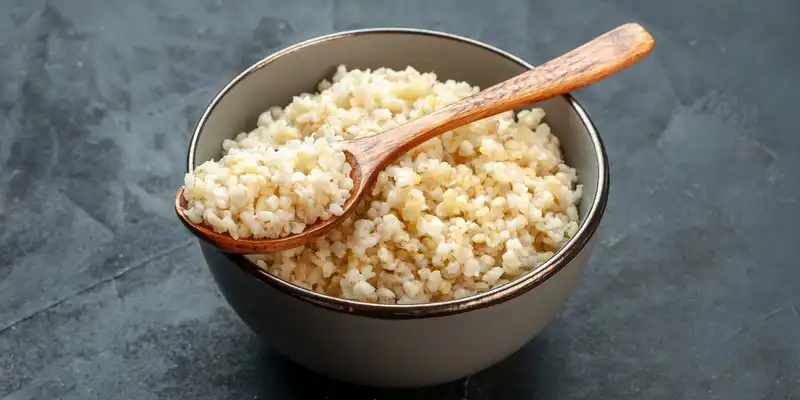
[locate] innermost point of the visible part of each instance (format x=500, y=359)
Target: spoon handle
x=591, y=62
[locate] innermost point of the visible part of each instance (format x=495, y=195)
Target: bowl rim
x=489, y=298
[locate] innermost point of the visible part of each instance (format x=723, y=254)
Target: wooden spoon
x=595, y=60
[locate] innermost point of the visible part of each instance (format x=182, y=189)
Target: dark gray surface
x=693, y=292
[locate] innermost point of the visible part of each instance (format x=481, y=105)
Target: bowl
x=398, y=346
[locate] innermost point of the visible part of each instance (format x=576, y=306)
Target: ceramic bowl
x=397, y=345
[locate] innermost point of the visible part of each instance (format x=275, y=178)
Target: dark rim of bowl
x=393, y=311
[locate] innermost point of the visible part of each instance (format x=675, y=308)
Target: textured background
x=693, y=292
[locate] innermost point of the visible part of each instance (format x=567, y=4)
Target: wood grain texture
x=589, y=63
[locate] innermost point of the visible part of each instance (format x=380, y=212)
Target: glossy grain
x=589, y=63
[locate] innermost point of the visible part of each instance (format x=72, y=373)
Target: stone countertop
x=693, y=291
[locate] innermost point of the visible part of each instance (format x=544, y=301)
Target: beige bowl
x=396, y=345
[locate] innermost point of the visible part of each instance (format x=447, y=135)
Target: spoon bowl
x=589, y=63
x=319, y=228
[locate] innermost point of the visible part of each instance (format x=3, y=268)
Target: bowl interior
x=275, y=80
